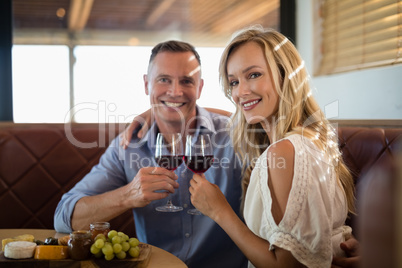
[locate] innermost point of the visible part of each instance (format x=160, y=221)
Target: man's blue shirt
x=195, y=239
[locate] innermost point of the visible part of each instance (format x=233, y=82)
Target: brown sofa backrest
x=364, y=148
x=39, y=163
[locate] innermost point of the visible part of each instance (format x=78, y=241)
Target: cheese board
x=140, y=262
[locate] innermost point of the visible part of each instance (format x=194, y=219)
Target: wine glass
x=169, y=155
x=198, y=157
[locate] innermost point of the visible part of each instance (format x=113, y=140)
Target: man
x=130, y=179
x=351, y=247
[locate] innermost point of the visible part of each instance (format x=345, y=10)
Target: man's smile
x=173, y=104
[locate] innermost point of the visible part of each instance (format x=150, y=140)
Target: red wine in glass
x=198, y=157
x=169, y=155
x=170, y=162
x=199, y=164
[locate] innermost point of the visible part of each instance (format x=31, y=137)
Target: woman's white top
x=312, y=227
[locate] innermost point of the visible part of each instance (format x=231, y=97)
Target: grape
x=115, y=244
x=99, y=243
x=121, y=255
x=133, y=242
x=116, y=240
x=117, y=248
x=121, y=234
x=134, y=252
x=109, y=257
x=126, y=238
x=99, y=254
x=100, y=236
x=94, y=249
x=107, y=249
x=125, y=246
x=112, y=234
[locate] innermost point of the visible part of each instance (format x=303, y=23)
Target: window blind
x=358, y=34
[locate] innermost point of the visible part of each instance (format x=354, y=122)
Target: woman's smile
x=249, y=105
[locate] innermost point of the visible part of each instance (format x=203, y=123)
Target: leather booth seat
x=40, y=162
x=363, y=149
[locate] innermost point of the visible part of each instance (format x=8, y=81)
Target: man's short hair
x=174, y=46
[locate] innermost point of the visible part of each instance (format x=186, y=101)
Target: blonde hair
x=298, y=112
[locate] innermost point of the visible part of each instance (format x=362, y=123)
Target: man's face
x=174, y=84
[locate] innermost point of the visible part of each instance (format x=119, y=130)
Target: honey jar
x=99, y=228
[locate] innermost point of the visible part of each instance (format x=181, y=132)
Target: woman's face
x=251, y=81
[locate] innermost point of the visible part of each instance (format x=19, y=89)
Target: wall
x=374, y=93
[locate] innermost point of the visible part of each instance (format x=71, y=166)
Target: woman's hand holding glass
x=207, y=197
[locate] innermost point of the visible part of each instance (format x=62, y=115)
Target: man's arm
x=145, y=119
x=104, y=193
x=138, y=193
x=352, y=259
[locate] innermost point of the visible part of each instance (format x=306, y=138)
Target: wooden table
x=159, y=257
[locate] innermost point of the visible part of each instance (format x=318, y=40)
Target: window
x=40, y=83
x=108, y=84
x=358, y=34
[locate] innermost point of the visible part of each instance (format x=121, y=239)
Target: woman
x=298, y=193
